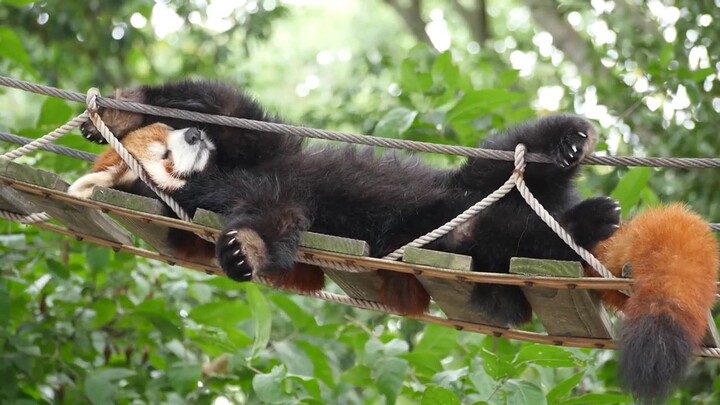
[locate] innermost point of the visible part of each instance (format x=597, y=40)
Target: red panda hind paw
x=240, y=252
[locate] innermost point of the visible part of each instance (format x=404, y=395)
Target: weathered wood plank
x=452, y=296
x=75, y=217
x=11, y=200
x=209, y=219
x=155, y=235
x=335, y=244
x=577, y=313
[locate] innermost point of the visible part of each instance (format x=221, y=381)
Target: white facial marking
x=187, y=158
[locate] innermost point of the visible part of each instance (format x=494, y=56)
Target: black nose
x=193, y=136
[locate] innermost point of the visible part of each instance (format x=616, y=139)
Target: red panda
x=271, y=187
x=672, y=256
x=669, y=251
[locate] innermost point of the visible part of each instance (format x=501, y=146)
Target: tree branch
x=576, y=49
x=476, y=19
x=412, y=16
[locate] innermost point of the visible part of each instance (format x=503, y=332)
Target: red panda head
x=169, y=157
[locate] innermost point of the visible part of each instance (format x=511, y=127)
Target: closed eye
x=166, y=154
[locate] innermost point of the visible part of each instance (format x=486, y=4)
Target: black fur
x=654, y=357
x=268, y=183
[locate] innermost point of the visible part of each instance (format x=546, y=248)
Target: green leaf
x=389, y=375
x=54, y=112
x=222, y=314
x=269, y=387
x=105, y=312
x=563, y=389
x=448, y=377
x=395, y=123
x=13, y=49
x=98, y=258
x=444, y=70
x=630, y=188
x=359, y=375
x=57, y=269
x=481, y=103
x=294, y=359
x=439, y=396
x=547, y=356
x=523, y=393
x=184, y=377
x=320, y=362
x=301, y=320
x=497, y=367
x=99, y=391
x=114, y=374
x=309, y=384
x=261, y=317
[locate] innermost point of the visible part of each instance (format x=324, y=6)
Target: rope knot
x=91, y=99
x=520, y=151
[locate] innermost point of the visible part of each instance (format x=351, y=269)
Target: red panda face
x=170, y=156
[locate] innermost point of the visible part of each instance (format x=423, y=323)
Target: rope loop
x=91, y=99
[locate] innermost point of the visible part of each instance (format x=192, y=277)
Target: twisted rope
x=46, y=139
x=348, y=137
x=467, y=214
x=25, y=219
x=56, y=149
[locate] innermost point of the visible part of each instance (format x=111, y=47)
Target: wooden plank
x=11, y=200
x=452, y=296
x=209, y=219
x=77, y=218
x=577, y=313
x=154, y=234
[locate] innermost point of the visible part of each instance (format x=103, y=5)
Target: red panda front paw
x=240, y=252
x=89, y=132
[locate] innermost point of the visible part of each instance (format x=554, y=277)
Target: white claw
x=582, y=134
x=617, y=208
x=241, y=262
x=566, y=163
x=572, y=155
x=237, y=252
x=574, y=148
x=231, y=233
x=616, y=226
x=231, y=241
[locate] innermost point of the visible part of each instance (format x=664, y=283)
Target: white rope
x=25, y=219
x=465, y=215
x=51, y=137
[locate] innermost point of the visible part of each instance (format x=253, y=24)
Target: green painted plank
x=452, y=296
x=563, y=312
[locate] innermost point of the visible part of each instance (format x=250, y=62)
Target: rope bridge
x=35, y=197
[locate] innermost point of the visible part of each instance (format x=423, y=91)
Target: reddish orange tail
x=673, y=258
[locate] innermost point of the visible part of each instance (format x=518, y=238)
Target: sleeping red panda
x=672, y=256
x=271, y=189
x=669, y=251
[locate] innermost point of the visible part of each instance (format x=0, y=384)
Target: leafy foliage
x=81, y=324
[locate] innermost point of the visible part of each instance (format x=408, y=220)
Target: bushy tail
x=673, y=259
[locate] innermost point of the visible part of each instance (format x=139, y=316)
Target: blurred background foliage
x=80, y=324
